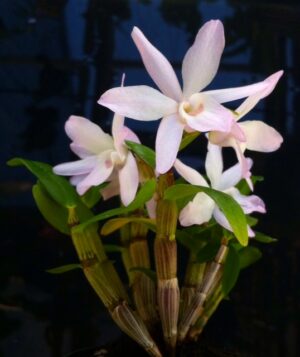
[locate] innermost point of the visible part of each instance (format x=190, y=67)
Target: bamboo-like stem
x=143, y=288
x=209, y=309
x=192, y=281
x=165, y=252
x=104, y=279
x=212, y=272
x=125, y=238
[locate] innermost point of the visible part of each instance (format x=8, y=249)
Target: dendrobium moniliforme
x=189, y=108
x=102, y=158
x=202, y=208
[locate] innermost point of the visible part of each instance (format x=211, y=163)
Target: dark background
x=56, y=58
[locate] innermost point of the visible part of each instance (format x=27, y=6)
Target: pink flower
x=258, y=135
x=102, y=157
x=202, y=208
x=181, y=109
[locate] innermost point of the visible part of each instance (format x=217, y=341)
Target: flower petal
x=230, y=94
x=111, y=190
x=198, y=211
x=151, y=208
x=74, y=180
x=233, y=176
x=80, y=151
x=138, y=102
x=249, y=204
x=214, y=164
x=78, y=167
x=88, y=135
x=158, y=67
x=129, y=180
x=213, y=116
x=167, y=143
x=100, y=173
x=222, y=220
x=251, y=102
x=260, y=136
x=189, y=174
x=201, y=61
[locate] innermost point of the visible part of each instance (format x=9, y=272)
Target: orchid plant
x=208, y=214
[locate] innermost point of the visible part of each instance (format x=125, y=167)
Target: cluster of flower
x=107, y=158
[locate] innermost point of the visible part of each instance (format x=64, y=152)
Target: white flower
x=102, y=157
x=202, y=208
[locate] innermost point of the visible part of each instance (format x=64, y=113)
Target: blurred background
x=56, y=58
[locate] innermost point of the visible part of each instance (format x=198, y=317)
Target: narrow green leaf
x=231, y=271
x=252, y=221
x=226, y=203
x=143, y=196
x=187, y=139
x=55, y=214
x=143, y=152
x=64, y=268
x=263, y=238
x=116, y=223
x=150, y=273
x=248, y=256
x=113, y=248
x=57, y=186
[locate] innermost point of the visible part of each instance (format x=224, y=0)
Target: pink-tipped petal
x=249, y=204
x=128, y=180
x=201, y=61
x=214, y=164
x=233, y=176
x=78, y=167
x=88, y=135
x=138, y=102
x=230, y=94
x=158, y=67
x=167, y=144
x=251, y=102
x=198, y=211
x=189, y=174
x=260, y=136
x=239, y=150
x=221, y=219
x=131, y=136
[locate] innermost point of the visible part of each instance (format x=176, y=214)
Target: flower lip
x=191, y=107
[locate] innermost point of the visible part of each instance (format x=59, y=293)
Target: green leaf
x=93, y=195
x=243, y=186
x=55, y=214
x=150, y=273
x=263, y=238
x=143, y=196
x=143, y=152
x=116, y=223
x=248, y=256
x=252, y=221
x=231, y=209
x=231, y=270
x=187, y=139
x=57, y=186
x=64, y=269
x=113, y=248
